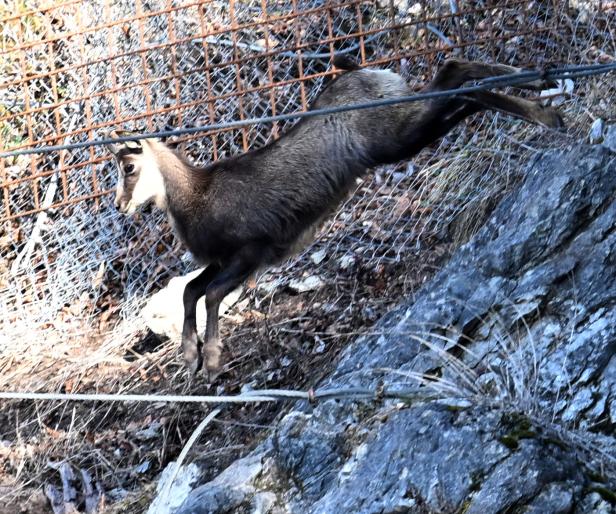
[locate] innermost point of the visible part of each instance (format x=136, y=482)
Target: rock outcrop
x=520, y=329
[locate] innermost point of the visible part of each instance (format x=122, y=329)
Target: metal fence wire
x=75, y=69
x=71, y=70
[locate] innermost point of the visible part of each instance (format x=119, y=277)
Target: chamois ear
x=123, y=147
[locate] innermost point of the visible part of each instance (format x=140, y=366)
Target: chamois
x=247, y=212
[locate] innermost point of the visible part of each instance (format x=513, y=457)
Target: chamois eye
x=129, y=168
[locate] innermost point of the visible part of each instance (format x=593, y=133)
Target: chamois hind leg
x=519, y=108
x=440, y=117
x=241, y=267
x=195, y=289
x=436, y=122
x=455, y=72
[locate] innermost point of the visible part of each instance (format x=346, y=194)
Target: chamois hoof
x=194, y=365
x=193, y=358
x=191, y=349
x=212, y=367
x=211, y=374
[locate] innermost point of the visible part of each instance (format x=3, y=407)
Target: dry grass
x=382, y=245
x=505, y=378
x=273, y=339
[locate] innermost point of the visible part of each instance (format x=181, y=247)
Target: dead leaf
x=403, y=205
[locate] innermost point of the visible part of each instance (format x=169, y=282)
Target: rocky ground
x=510, y=350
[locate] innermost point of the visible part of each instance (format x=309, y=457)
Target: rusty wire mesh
x=72, y=70
x=76, y=68
x=74, y=274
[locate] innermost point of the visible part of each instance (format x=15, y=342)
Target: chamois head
x=140, y=172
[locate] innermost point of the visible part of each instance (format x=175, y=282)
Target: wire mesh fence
x=74, y=273
x=72, y=70
x=75, y=69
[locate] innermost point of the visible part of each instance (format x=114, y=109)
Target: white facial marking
x=119, y=189
x=147, y=178
x=150, y=184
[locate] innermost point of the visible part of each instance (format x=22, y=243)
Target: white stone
x=266, y=287
x=568, y=86
x=346, y=261
x=595, y=134
x=250, y=386
x=164, y=311
x=318, y=257
x=310, y=283
x=320, y=347
x=564, y=87
x=167, y=502
x=415, y=9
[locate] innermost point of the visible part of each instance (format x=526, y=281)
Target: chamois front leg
x=195, y=289
x=242, y=266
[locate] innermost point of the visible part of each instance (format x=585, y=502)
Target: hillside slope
x=519, y=331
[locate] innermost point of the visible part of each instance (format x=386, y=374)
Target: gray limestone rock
x=528, y=310
x=609, y=141
x=595, y=134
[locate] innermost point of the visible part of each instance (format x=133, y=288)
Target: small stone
x=415, y=9
x=250, y=386
x=311, y=283
x=267, y=287
x=318, y=257
x=346, y=261
x=148, y=433
x=564, y=87
x=273, y=375
x=143, y=467
x=320, y=347
x=595, y=134
x=567, y=86
x=398, y=4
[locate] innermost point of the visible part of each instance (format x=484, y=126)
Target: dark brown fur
x=250, y=211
